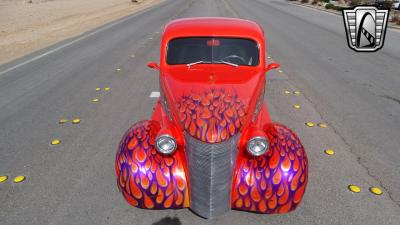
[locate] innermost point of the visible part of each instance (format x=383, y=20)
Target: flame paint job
x=216, y=86
x=213, y=116
x=212, y=103
x=274, y=182
x=146, y=178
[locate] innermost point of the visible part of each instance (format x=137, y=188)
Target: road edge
x=67, y=41
x=395, y=27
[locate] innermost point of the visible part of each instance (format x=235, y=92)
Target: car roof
x=213, y=26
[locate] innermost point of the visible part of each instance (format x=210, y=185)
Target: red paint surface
x=274, y=182
x=146, y=178
x=212, y=102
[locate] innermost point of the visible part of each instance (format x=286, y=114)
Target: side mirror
x=272, y=66
x=153, y=65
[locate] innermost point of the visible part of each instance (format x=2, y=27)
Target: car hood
x=212, y=104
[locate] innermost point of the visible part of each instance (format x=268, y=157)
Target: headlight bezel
x=251, y=143
x=171, y=140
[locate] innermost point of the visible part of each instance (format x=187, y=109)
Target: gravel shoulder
x=26, y=27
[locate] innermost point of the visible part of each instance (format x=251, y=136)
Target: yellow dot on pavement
x=76, y=121
x=280, y=71
x=118, y=69
x=95, y=100
x=329, y=152
x=287, y=92
x=98, y=89
x=107, y=89
x=354, y=188
x=3, y=178
x=309, y=124
x=296, y=92
x=55, y=142
x=322, y=125
x=296, y=106
x=376, y=190
x=19, y=179
x=62, y=121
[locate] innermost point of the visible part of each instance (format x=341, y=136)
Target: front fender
x=274, y=182
x=146, y=178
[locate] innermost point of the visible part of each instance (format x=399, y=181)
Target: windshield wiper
x=208, y=62
x=228, y=63
x=198, y=62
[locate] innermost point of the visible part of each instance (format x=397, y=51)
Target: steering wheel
x=226, y=58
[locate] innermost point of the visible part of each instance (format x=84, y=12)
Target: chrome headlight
x=257, y=146
x=166, y=144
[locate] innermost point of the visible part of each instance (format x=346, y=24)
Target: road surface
x=357, y=95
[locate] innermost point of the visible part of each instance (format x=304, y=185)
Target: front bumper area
x=211, y=178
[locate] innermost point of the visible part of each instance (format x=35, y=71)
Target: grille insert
x=210, y=174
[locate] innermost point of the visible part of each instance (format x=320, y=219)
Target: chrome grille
x=210, y=173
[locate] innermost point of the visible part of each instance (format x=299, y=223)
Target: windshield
x=196, y=50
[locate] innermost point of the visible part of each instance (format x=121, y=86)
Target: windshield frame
x=258, y=45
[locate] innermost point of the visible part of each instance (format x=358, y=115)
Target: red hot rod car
x=210, y=144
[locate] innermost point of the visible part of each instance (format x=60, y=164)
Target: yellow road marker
x=118, y=70
x=287, y=92
x=3, y=178
x=309, y=124
x=329, y=152
x=354, y=188
x=322, y=125
x=107, y=88
x=76, y=121
x=296, y=92
x=62, y=121
x=19, y=179
x=55, y=142
x=296, y=106
x=375, y=190
x=98, y=89
x=95, y=100
x=280, y=71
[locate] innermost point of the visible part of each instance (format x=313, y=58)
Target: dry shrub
x=329, y=6
x=355, y=2
x=396, y=19
x=314, y=2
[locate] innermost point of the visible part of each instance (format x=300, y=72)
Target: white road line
x=74, y=41
x=154, y=94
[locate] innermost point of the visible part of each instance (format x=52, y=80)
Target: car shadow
x=168, y=221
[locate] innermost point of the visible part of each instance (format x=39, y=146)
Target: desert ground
x=29, y=25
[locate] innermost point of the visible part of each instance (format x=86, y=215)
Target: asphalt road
x=357, y=95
